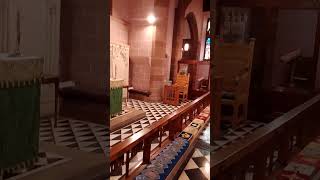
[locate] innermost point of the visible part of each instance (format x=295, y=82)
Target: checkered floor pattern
x=198, y=166
x=154, y=112
x=75, y=134
x=231, y=135
x=45, y=160
x=123, y=112
x=137, y=159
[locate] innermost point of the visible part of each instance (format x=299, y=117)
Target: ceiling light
x=151, y=19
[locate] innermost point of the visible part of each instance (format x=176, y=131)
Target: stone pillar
x=159, y=61
x=84, y=38
x=149, y=61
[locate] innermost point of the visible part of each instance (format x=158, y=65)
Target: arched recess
x=192, y=22
x=177, y=35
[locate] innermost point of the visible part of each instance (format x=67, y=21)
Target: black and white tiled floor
x=154, y=112
x=137, y=159
x=45, y=160
x=75, y=134
x=198, y=166
x=231, y=135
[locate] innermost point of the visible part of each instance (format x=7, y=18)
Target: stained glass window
x=207, y=43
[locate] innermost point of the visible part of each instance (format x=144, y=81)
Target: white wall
x=296, y=29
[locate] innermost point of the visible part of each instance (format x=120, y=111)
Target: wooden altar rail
x=141, y=141
x=260, y=153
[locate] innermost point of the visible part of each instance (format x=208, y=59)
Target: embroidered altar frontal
x=19, y=110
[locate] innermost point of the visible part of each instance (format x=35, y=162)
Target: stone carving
x=119, y=61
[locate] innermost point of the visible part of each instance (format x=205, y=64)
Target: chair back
x=231, y=61
x=171, y=95
x=182, y=80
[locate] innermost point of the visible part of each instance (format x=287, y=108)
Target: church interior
x=265, y=94
x=52, y=124
x=159, y=89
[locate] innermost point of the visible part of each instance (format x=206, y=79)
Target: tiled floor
x=231, y=135
x=45, y=160
x=154, y=112
x=93, y=138
x=75, y=134
x=137, y=159
x=198, y=166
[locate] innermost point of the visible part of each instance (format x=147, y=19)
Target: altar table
x=19, y=110
x=116, y=94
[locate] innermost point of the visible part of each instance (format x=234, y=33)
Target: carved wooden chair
x=233, y=61
x=171, y=95
x=182, y=83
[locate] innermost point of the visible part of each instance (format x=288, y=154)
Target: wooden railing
x=141, y=141
x=268, y=147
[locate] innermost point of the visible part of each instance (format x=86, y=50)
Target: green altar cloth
x=116, y=96
x=19, y=124
x=19, y=110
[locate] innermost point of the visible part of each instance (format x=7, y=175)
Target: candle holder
x=17, y=52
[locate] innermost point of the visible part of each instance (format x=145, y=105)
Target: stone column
x=159, y=61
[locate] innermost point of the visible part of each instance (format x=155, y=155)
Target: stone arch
x=192, y=22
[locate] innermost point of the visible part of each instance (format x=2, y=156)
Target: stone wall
x=84, y=53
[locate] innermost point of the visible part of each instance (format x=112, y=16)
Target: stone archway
x=192, y=22
x=177, y=36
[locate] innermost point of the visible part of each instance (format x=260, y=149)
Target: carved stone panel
x=119, y=62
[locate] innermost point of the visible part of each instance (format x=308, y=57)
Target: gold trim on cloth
x=19, y=71
x=116, y=83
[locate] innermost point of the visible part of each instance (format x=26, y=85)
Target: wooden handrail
x=142, y=140
x=300, y=123
x=135, y=139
